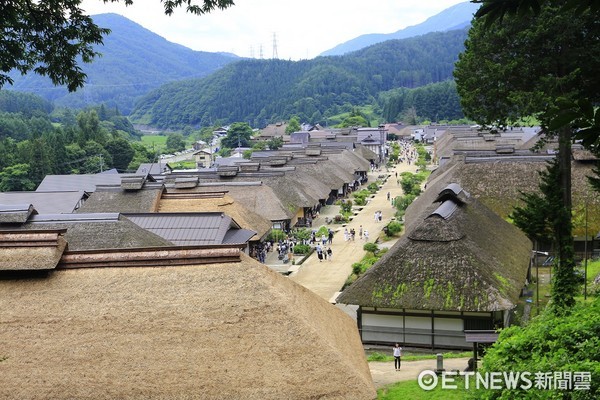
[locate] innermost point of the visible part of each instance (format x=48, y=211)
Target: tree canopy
x=52, y=38
x=525, y=65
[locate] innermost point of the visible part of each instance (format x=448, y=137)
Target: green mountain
x=264, y=91
x=134, y=61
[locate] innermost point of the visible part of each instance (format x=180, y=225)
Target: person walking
x=397, y=356
x=360, y=232
x=366, y=235
x=329, y=253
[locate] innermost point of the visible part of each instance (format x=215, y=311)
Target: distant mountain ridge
x=455, y=17
x=134, y=61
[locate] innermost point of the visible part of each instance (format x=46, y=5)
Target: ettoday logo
x=558, y=380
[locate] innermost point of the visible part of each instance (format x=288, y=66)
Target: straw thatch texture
x=225, y=331
x=30, y=251
x=123, y=201
x=246, y=218
x=108, y=234
x=498, y=185
x=471, y=261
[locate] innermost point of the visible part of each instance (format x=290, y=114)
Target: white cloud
x=303, y=29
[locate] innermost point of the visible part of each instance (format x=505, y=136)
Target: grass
x=154, y=142
x=378, y=356
x=411, y=390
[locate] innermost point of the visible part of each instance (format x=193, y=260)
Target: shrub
x=301, y=249
x=373, y=187
x=394, y=228
x=346, y=206
x=549, y=343
x=323, y=230
x=371, y=247
x=276, y=235
x=301, y=234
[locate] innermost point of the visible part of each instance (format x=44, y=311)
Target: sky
x=290, y=30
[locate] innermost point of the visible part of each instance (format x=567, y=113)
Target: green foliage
x=346, y=206
x=293, y=125
x=302, y=249
x=371, y=247
x=549, y=343
x=121, y=153
x=373, y=187
x=411, y=390
x=323, y=230
x=16, y=178
x=360, y=197
x=313, y=90
x=239, y=134
x=302, y=234
x=275, y=143
x=411, y=183
x=393, y=228
x=276, y=235
x=175, y=142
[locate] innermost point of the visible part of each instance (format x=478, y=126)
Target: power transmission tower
x=275, y=56
x=260, y=52
x=251, y=51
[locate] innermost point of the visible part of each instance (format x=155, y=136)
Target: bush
x=393, y=228
x=346, y=206
x=550, y=343
x=301, y=249
x=373, y=187
x=301, y=234
x=371, y=247
x=276, y=235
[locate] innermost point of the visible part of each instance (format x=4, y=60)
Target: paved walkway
x=327, y=278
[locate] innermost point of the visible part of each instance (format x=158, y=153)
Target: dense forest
x=265, y=91
x=37, y=140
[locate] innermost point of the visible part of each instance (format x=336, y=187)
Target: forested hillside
x=264, y=91
x=35, y=142
x=134, y=60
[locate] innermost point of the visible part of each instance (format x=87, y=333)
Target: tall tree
x=518, y=67
x=52, y=37
x=239, y=134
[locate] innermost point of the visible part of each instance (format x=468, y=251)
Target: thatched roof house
x=459, y=258
x=214, y=326
x=216, y=202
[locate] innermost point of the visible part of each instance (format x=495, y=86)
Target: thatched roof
x=199, y=202
x=16, y=213
x=93, y=231
x=215, y=331
x=35, y=250
x=499, y=184
x=115, y=199
x=460, y=256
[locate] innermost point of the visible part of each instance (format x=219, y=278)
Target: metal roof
x=46, y=202
x=88, y=183
x=188, y=229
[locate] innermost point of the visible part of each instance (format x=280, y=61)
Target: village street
x=326, y=278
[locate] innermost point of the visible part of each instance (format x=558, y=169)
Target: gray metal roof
x=188, y=229
x=15, y=213
x=88, y=183
x=46, y=202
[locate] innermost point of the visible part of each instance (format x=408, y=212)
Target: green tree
x=499, y=83
x=16, y=178
x=293, y=125
x=121, y=152
x=238, y=135
x=52, y=38
x=175, y=142
x=275, y=143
